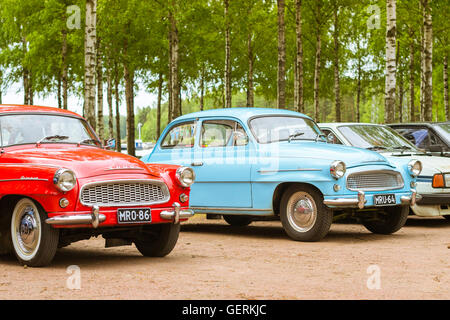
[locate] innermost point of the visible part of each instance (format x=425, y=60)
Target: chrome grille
x=375, y=181
x=124, y=193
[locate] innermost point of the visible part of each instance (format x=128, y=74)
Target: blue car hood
x=319, y=150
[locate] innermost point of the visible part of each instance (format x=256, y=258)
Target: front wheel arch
x=281, y=189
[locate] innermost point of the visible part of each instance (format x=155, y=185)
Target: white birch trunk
x=391, y=67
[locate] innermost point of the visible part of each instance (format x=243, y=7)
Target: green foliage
x=31, y=38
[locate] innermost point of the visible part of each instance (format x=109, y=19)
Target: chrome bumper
x=361, y=201
x=348, y=203
x=94, y=218
x=176, y=214
x=410, y=200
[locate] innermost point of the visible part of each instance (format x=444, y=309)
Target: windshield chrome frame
x=92, y=131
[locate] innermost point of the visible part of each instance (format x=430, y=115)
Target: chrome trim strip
x=29, y=164
x=7, y=180
x=115, y=169
x=289, y=170
x=164, y=187
x=230, y=209
x=376, y=189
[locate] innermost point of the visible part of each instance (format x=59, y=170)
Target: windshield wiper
x=86, y=141
x=376, y=148
x=295, y=135
x=54, y=137
x=402, y=148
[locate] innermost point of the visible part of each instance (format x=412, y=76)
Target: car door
x=221, y=164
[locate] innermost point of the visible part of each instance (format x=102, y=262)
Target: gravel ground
x=215, y=261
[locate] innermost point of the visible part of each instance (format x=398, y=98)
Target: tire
x=447, y=217
x=237, y=221
x=394, y=220
x=310, y=225
x=34, y=242
x=164, y=240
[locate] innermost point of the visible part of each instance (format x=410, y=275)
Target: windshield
x=444, y=130
x=41, y=128
x=375, y=138
x=284, y=128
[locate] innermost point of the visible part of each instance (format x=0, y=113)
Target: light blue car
x=254, y=163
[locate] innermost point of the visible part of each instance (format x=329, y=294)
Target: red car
x=58, y=185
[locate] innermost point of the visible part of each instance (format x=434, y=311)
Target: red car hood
x=85, y=161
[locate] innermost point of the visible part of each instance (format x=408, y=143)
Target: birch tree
x=281, y=79
x=427, y=61
x=390, y=84
x=90, y=62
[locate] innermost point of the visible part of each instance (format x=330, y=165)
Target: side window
x=331, y=137
x=435, y=140
x=180, y=136
x=418, y=136
x=222, y=133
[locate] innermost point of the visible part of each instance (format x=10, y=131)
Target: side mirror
x=330, y=138
x=110, y=144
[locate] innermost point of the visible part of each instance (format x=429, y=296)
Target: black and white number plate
x=142, y=215
x=384, y=199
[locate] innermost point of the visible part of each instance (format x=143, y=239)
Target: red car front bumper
x=107, y=217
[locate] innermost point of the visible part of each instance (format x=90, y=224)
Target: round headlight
x=337, y=169
x=65, y=180
x=415, y=167
x=185, y=176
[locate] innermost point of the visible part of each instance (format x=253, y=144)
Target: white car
x=433, y=184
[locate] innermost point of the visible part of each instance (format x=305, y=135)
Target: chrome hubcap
x=26, y=227
x=302, y=212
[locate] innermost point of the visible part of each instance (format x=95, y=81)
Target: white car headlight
x=65, y=180
x=415, y=167
x=185, y=176
x=338, y=169
x=447, y=180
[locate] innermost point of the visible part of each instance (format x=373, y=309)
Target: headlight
x=185, y=176
x=337, y=169
x=65, y=180
x=415, y=167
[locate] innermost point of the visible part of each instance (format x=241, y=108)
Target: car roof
x=338, y=124
x=240, y=113
x=18, y=108
x=418, y=123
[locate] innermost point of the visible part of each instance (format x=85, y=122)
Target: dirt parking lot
x=215, y=261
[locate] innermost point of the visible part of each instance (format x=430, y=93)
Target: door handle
x=196, y=164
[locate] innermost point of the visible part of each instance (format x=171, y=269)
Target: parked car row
x=59, y=184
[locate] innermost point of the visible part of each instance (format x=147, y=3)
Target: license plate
x=134, y=215
x=384, y=199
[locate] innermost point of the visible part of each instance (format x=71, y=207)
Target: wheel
x=34, y=242
x=393, y=221
x=303, y=215
x=161, y=240
x=447, y=217
x=237, y=221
